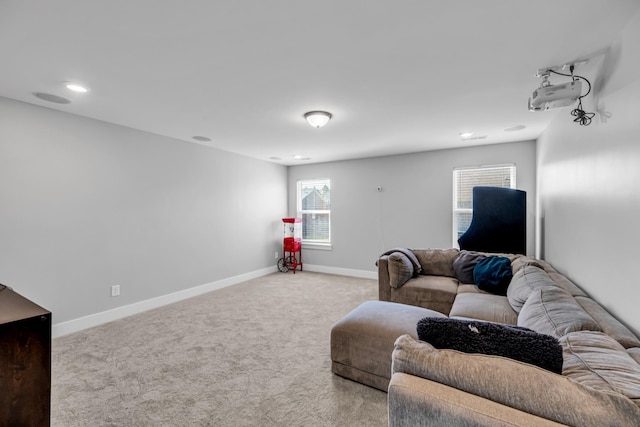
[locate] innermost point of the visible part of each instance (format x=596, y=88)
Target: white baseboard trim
x=341, y=271
x=96, y=319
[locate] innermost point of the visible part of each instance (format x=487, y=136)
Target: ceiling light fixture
x=201, y=138
x=51, y=98
x=75, y=87
x=465, y=135
x=317, y=119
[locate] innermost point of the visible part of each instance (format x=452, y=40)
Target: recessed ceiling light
x=75, y=87
x=299, y=157
x=201, y=138
x=51, y=98
x=515, y=128
x=275, y=158
x=465, y=134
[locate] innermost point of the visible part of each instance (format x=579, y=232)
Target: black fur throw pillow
x=514, y=342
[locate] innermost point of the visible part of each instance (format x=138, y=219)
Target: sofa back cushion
x=566, y=284
x=437, y=262
x=523, y=260
x=596, y=360
x=608, y=324
x=526, y=280
x=553, y=311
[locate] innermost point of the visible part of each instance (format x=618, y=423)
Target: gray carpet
x=253, y=354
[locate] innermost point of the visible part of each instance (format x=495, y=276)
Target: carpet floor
x=253, y=354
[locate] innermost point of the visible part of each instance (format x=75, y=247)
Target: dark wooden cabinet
x=25, y=361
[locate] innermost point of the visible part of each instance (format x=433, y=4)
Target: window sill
x=317, y=246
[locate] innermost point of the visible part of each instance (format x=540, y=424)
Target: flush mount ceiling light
x=51, y=98
x=515, y=128
x=201, y=138
x=468, y=136
x=317, y=119
x=75, y=87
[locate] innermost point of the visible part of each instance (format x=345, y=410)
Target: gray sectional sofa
x=377, y=345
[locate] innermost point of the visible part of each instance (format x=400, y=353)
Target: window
x=314, y=207
x=464, y=179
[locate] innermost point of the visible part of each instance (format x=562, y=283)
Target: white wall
x=414, y=208
x=86, y=204
x=589, y=184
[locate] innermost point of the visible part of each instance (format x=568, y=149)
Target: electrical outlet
x=276, y=256
x=115, y=290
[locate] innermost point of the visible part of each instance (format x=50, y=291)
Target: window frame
x=314, y=243
x=456, y=211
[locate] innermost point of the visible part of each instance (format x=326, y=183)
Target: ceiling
x=398, y=76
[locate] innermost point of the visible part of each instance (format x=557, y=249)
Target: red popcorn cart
x=291, y=245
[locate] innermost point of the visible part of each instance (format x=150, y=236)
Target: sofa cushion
x=432, y=292
x=484, y=306
x=525, y=281
x=553, y=311
x=464, y=264
x=400, y=269
x=516, y=384
x=634, y=352
x=596, y=360
x=608, y=324
x=522, y=261
x=558, y=279
x=514, y=342
x=470, y=289
x=437, y=262
x=566, y=284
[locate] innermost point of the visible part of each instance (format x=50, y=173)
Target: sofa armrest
x=521, y=386
x=384, y=282
x=415, y=401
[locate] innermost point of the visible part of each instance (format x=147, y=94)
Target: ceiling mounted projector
x=549, y=97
